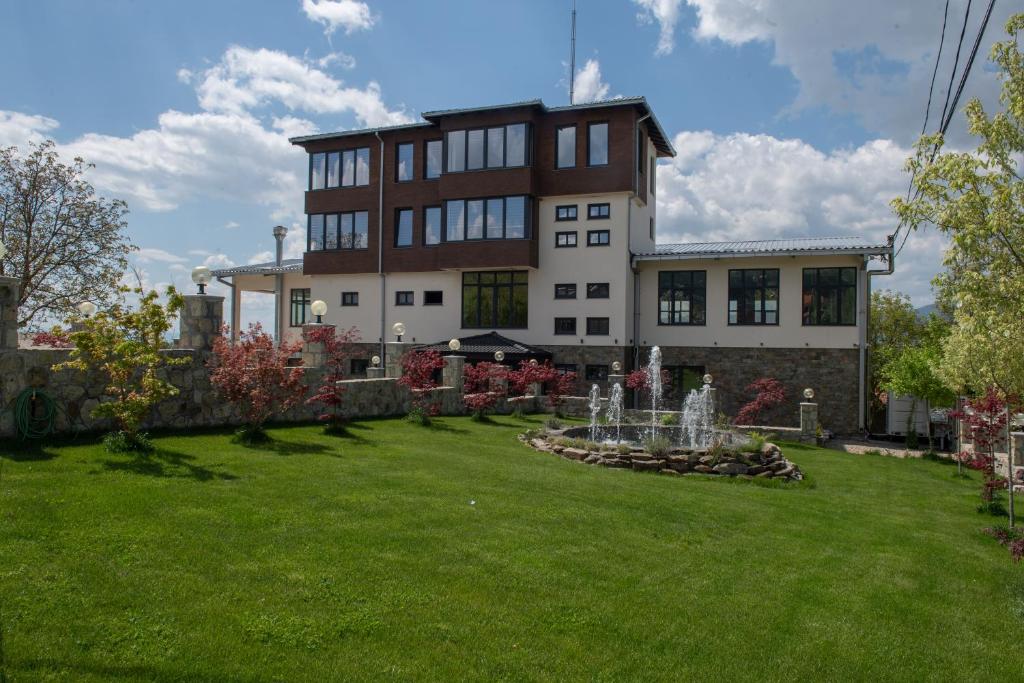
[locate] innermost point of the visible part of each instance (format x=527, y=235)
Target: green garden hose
x=34, y=412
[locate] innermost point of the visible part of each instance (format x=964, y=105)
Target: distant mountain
x=925, y=311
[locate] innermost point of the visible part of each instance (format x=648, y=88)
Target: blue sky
x=791, y=117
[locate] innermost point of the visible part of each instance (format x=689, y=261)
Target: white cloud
x=343, y=60
x=348, y=14
x=150, y=254
x=185, y=76
x=246, y=79
x=666, y=14
x=19, y=129
x=747, y=187
x=588, y=85
x=231, y=225
x=871, y=58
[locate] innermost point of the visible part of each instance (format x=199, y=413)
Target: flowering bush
x=253, y=375
x=483, y=384
x=768, y=393
x=1010, y=538
x=338, y=348
x=56, y=338
x=418, y=368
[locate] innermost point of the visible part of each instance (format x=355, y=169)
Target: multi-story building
x=538, y=224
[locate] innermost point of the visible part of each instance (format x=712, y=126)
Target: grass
x=362, y=558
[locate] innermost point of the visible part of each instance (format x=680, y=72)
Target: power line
x=956, y=61
x=931, y=88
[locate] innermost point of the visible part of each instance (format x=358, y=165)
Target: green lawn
x=362, y=558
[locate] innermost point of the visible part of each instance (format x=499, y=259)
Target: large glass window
x=495, y=147
x=300, y=301
x=403, y=162
x=494, y=300
x=317, y=171
x=597, y=144
x=432, y=225
x=363, y=166
x=474, y=150
x=565, y=154
x=515, y=145
x=403, y=228
x=348, y=168
x=315, y=236
x=830, y=296
x=347, y=238
x=434, y=152
x=754, y=296
x=456, y=151
x=334, y=169
x=681, y=297
x=348, y=230
x=331, y=234
x=682, y=379
x=361, y=230
x=596, y=373
x=491, y=218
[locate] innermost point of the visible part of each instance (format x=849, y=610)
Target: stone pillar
x=808, y=419
x=201, y=321
x=713, y=393
x=393, y=352
x=536, y=389
x=374, y=372
x=1017, y=449
x=10, y=290
x=616, y=379
x=314, y=354
x=451, y=375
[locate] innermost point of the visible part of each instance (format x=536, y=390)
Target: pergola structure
x=265, y=278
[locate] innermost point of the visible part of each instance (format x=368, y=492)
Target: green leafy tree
x=977, y=199
x=913, y=373
x=124, y=346
x=894, y=326
x=63, y=243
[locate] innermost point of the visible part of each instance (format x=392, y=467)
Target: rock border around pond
x=769, y=463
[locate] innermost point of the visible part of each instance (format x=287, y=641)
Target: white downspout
x=863, y=335
x=380, y=247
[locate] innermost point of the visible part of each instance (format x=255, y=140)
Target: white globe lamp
x=318, y=307
x=201, y=275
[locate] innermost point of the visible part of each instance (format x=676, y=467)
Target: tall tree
x=977, y=198
x=894, y=326
x=64, y=243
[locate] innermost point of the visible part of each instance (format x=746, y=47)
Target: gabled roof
x=783, y=247
x=288, y=265
x=661, y=140
x=487, y=344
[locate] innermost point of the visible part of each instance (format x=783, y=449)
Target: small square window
x=565, y=239
x=565, y=368
x=350, y=298
x=597, y=290
x=596, y=373
x=597, y=327
x=358, y=366
x=566, y=213
x=433, y=298
x=598, y=238
x=403, y=298
x=599, y=211
x=565, y=326
x=565, y=291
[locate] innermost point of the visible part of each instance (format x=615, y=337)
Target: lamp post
x=318, y=308
x=201, y=276
x=399, y=330
x=279, y=233
x=808, y=393
x=499, y=356
x=454, y=345
x=87, y=309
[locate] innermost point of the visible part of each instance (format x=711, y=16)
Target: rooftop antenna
x=572, y=56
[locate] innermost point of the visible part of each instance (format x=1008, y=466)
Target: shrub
x=338, y=348
x=658, y=445
x=483, y=384
x=126, y=442
x=756, y=443
x=418, y=368
x=624, y=448
x=125, y=347
x=768, y=393
x=55, y=338
x=555, y=384
x=669, y=419
x=253, y=375
x=993, y=507
x=553, y=423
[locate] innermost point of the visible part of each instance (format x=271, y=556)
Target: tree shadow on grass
x=145, y=672
x=165, y=463
x=437, y=426
x=279, y=447
x=27, y=451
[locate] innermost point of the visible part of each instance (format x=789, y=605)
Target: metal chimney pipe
x=279, y=233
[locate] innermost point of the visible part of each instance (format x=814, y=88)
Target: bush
x=250, y=435
x=658, y=445
x=669, y=419
x=624, y=448
x=127, y=442
x=756, y=443
x=418, y=368
x=553, y=423
x=418, y=415
x=993, y=507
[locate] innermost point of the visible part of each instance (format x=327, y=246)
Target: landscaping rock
x=593, y=459
x=786, y=471
x=575, y=453
x=646, y=465
x=670, y=472
x=767, y=474
x=707, y=460
x=731, y=468
x=557, y=449
x=703, y=469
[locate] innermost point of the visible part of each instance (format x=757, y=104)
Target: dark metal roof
x=288, y=265
x=486, y=345
x=661, y=140
x=781, y=247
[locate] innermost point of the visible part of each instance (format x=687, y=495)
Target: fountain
x=615, y=410
x=698, y=419
x=595, y=408
x=653, y=372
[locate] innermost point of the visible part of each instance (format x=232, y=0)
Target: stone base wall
x=583, y=355
x=832, y=373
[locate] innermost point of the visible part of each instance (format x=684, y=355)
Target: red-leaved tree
x=556, y=385
x=985, y=418
x=418, y=368
x=339, y=347
x=768, y=393
x=253, y=375
x=55, y=339
x=483, y=384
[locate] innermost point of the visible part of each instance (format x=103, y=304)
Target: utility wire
x=956, y=61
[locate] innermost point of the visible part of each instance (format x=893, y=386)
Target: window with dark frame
x=830, y=296
x=433, y=297
x=652, y=227
x=493, y=147
x=566, y=213
x=350, y=298
x=300, y=302
x=596, y=373
x=598, y=238
x=682, y=297
x=565, y=368
x=565, y=326
x=404, y=299
x=597, y=144
x=565, y=147
x=682, y=379
x=597, y=290
x=357, y=366
x=433, y=157
x=432, y=225
x=475, y=149
x=490, y=218
x=349, y=230
x=597, y=327
x=652, y=180
x=495, y=299
x=344, y=168
x=403, y=227
x=754, y=296
x=403, y=162
x=565, y=239
x=599, y=211
x=565, y=291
